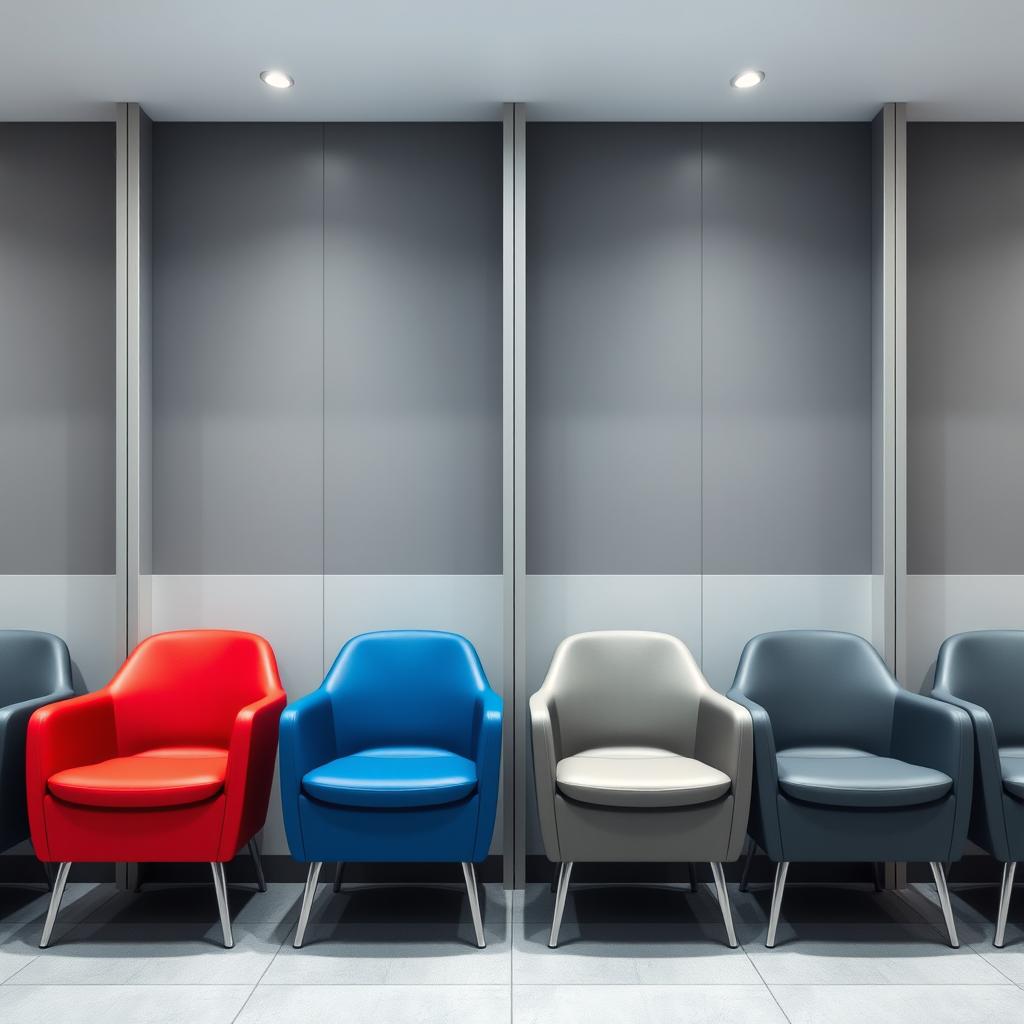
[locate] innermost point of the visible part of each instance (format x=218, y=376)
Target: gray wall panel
x=613, y=349
x=238, y=348
x=57, y=349
x=787, y=349
x=965, y=349
x=413, y=348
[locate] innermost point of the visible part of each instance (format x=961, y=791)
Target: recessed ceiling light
x=747, y=79
x=277, y=79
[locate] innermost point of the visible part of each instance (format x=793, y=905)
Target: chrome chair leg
x=781, y=870
x=1005, y=892
x=257, y=860
x=469, y=873
x=339, y=871
x=307, y=901
x=55, y=897
x=564, y=872
x=745, y=877
x=723, y=902
x=221, y=886
x=692, y=871
x=878, y=870
x=947, y=907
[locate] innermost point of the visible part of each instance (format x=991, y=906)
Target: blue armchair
x=848, y=766
x=983, y=673
x=35, y=670
x=395, y=758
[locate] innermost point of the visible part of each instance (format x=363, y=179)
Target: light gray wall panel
x=413, y=349
x=57, y=349
x=787, y=349
x=613, y=349
x=237, y=348
x=965, y=349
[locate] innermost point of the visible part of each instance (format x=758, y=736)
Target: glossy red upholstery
x=172, y=761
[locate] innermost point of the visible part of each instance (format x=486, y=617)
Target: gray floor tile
x=669, y=1004
x=155, y=954
x=1009, y=960
x=394, y=954
x=19, y=905
x=92, y=1004
x=869, y=955
x=623, y=904
x=17, y=951
x=432, y=1004
x=907, y=1004
x=616, y=954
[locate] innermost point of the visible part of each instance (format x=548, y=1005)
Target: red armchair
x=172, y=761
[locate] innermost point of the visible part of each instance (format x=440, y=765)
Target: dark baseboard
x=972, y=868
x=23, y=869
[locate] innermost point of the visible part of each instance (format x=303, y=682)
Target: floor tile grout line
x=764, y=982
x=270, y=962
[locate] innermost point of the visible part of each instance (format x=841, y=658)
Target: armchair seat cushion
x=393, y=777
x=639, y=777
x=1011, y=760
x=162, y=777
x=846, y=777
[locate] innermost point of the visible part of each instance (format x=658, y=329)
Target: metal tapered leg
x=947, y=907
x=745, y=877
x=257, y=861
x=879, y=872
x=781, y=870
x=1004, y=902
x=339, y=872
x=564, y=871
x=692, y=871
x=55, y=897
x=469, y=873
x=220, y=884
x=307, y=901
x=723, y=902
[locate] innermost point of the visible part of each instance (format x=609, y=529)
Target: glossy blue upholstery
x=983, y=673
x=848, y=766
x=396, y=756
x=35, y=670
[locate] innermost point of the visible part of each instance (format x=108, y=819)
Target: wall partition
x=965, y=385
x=326, y=386
x=58, y=385
x=704, y=387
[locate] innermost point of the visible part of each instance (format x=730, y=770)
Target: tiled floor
x=377, y=955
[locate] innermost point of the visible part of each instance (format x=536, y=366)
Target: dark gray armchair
x=35, y=670
x=983, y=673
x=848, y=766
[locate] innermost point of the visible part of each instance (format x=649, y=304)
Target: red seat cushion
x=162, y=777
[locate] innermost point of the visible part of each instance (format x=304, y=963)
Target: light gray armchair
x=637, y=758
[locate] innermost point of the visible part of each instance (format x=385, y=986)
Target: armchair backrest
x=987, y=668
x=186, y=688
x=624, y=688
x=32, y=665
x=820, y=688
x=406, y=688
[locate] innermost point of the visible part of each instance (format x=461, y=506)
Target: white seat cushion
x=639, y=777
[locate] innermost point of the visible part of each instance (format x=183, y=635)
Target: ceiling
x=459, y=59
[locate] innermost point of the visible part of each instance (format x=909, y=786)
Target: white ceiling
x=459, y=59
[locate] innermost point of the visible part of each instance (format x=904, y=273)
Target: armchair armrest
x=546, y=754
x=13, y=733
x=764, y=808
x=725, y=741
x=65, y=734
x=939, y=736
x=487, y=755
x=250, y=771
x=988, y=775
x=307, y=739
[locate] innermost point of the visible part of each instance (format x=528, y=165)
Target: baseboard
x=23, y=869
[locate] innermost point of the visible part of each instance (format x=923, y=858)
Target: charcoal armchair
x=848, y=766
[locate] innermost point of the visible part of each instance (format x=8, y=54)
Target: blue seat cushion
x=1011, y=760
x=393, y=777
x=845, y=777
